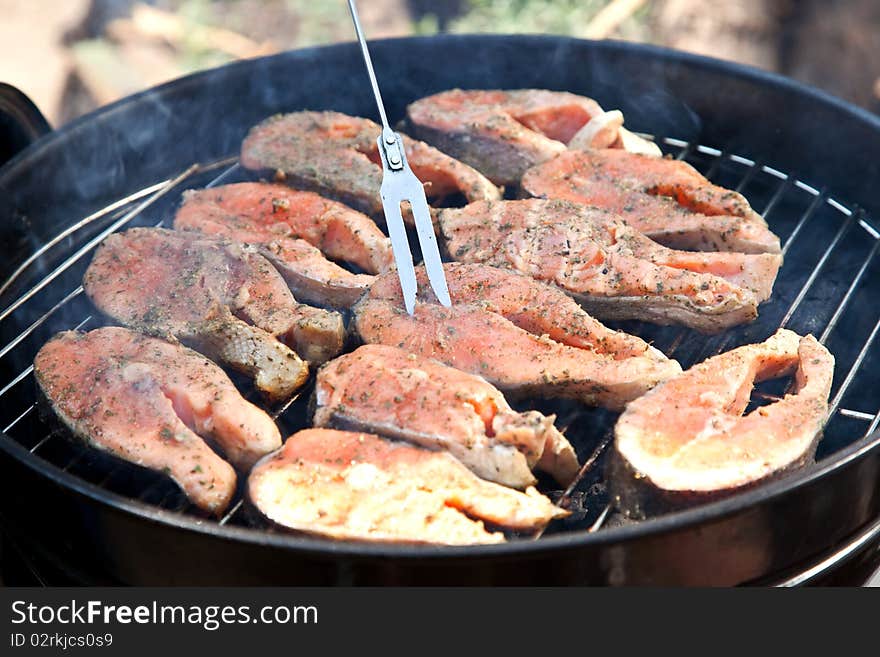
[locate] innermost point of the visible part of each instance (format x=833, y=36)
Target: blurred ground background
x=71, y=56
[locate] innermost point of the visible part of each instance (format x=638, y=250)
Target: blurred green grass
x=567, y=17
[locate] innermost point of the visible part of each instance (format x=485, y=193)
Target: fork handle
x=369, y=62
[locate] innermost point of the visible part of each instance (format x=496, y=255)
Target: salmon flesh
x=612, y=269
x=504, y=133
x=688, y=438
x=301, y=233
x=360, y=487
x=337, y=156
x=531, y=305
x=667, y=200
x=223, y=299
x=388, y=391
x=474, y=339
x=153, y=403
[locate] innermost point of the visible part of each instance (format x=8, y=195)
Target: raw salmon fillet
x=222, y=298
x=361, y=487
x=301, y=233
x=337, y=156
x=388, y=391
x=689, y=434
x=612, y=269
x=529, y=304
x=473, y=339
x=152, y=403
x=503, y=133
x=667, y=200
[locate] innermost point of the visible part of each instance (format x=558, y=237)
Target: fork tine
x=428, y=242
x=399, y=183
x=400, y=246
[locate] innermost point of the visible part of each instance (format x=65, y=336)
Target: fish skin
x=667, y=200
x=612, y=269
x=152, y=403
x=360, y=487
x=385, y=390
x=337, y=156
x=300, y=232
x=526, y=302
x=221, y=298
x=689, y=434
x=513, y=359
x=502, y=133
x=277, y=371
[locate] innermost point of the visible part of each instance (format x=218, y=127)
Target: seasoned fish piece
x=667, y=200
x=337, y=156
x=503, y=133
x=606, y=131
x=297, y=231
x=529, y=304
x=151, y=402
x=473, y=339
x=615, y=271
x=687, y=440
x=388, y=391
x=219, y=297
x=361, y=487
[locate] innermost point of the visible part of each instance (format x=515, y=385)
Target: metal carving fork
x=400, y=184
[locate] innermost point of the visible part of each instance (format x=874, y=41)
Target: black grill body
x=802, y=158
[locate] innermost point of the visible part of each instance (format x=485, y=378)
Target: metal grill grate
x=824, y=288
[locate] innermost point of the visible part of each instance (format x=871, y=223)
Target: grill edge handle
x=21, y=123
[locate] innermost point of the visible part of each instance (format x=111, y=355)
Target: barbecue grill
x=802, y=158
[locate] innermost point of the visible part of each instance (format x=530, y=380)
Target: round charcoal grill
x=805, y=160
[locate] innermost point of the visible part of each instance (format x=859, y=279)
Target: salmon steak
x=303, y=234
x=387, y=391
x=503, y=133
x=612, y=269
x=360, y=487
x=667, y=200
x=337, y=156
x=688, y=440
x=221, y=298
x=472, y=339
x=529, y=304
x=155, y=403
